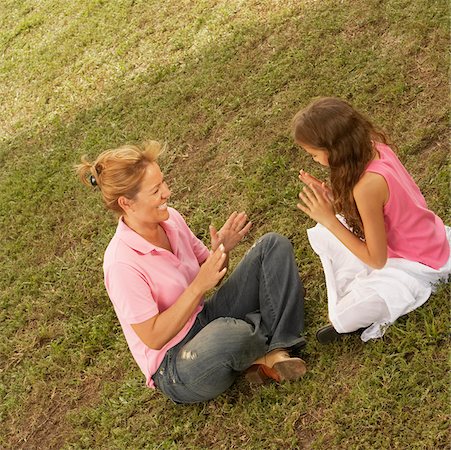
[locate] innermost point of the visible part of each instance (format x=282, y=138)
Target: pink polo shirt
x=143, y=280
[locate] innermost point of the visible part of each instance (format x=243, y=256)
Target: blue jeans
x=260, y=307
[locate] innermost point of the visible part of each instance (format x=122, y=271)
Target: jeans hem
x=292, y=344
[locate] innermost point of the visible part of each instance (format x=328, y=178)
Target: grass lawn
x=219, y=82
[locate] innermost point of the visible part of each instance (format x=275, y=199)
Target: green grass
x=219, y=82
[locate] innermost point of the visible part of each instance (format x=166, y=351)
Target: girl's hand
x=317, y=205
x=308, y=179
x=212, y=271
x=231, y=233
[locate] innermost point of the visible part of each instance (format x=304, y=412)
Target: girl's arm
x=370, y=194
x=157, y=331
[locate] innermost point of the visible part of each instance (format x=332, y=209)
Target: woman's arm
x=370, y=195
x=161, y=328
x=157, y=331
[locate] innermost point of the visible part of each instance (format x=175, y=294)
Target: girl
x=386, y=250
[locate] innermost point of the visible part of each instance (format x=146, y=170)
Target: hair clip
x=93, y=180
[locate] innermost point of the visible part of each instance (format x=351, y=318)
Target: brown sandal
x=255, y=374
x=288, y=370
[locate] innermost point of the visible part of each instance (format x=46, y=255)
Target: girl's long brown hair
x=332, y=124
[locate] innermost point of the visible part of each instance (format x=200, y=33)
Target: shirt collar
x=136, y=242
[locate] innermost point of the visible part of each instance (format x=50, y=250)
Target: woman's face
x=150, y=204
x=319, y=155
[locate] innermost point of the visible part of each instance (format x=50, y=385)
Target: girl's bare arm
x=370, y=194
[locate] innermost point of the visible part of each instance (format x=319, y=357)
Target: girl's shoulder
x=385, y=151
x=371, y=185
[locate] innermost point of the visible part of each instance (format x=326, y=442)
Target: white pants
x=361, y=297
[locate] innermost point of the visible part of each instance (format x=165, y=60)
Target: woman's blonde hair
x=119, y=172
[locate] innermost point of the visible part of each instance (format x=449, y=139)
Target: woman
x=157, y=273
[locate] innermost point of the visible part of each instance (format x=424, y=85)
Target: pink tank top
x=413, y=231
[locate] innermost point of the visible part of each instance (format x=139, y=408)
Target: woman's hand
x=308, y=179
x=212, y=271
x=231, y=233
x=317, y=205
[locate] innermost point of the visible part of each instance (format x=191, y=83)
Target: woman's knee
x=234, y=327
x=276, y=240
x=238, y=334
